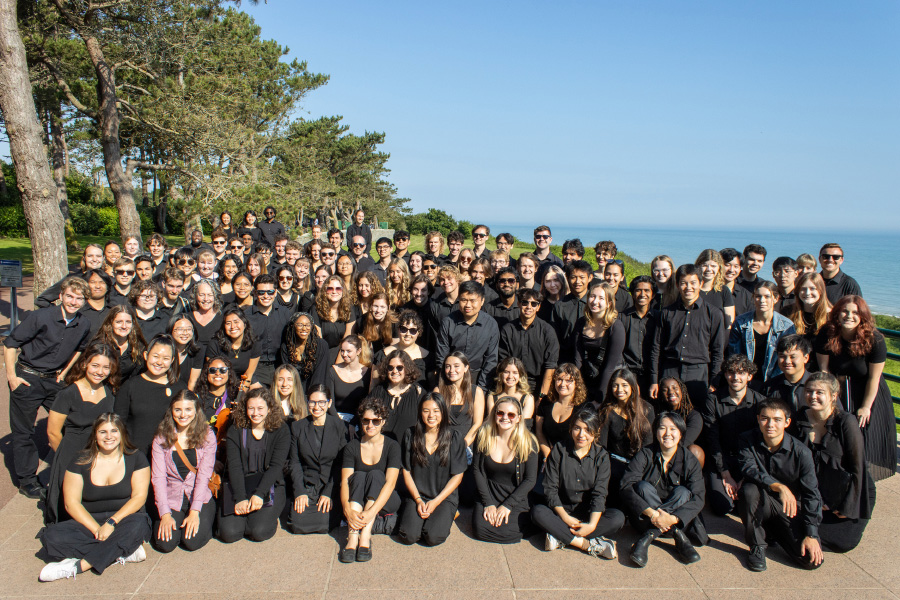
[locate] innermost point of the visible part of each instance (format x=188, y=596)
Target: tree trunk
x=145, y=183
x=33, y=177
x=58, y=154
x=108, y=116
x=162, y=208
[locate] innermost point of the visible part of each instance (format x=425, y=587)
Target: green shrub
x=86, y=219
x=12, y=221
x=104, y=220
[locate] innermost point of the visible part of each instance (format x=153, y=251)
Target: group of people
x=215, y=389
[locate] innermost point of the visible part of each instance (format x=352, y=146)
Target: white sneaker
x=551, y=543
x=603, y=548
x=138, y=555
x=59, y=570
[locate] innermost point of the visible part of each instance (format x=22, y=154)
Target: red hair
x=864, y=336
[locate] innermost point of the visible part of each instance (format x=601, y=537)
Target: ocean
x=867, y=255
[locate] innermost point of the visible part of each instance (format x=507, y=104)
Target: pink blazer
x=169, y=488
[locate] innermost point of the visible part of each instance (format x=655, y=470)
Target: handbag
x=215, y=480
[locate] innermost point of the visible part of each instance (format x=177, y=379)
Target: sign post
x=11, y=277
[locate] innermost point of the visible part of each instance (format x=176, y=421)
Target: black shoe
x=685, y=547
x=347, y=555
x=364, y=554
x=33, y=490
x=642, y=546
x=757, y=559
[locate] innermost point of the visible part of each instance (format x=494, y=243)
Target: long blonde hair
x=822, y=308
x=522, y=441
x=713, y=255
x=609, y=314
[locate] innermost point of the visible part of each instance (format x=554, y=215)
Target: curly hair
x=637, y=424
x=305, y=360
x=863, y=336
x=196, y=431
x=609, y=314
x=139, y=287
x=224, y=342
x=323, y=306
x=712, y=255
x=684, y=407
x=410, y=371
x=217, y=302
x=375, y=405
x=580, y=389
x=97, y=348
x=398, y=295
x=374, y=331
x=738, y=363
x=220, y=268
x=231, y=385
x=274, y=418
x=136, y=342
x=374, y=285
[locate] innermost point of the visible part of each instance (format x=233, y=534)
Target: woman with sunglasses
x=185, y=262
x=144, y=298
x=287, y=297
x=189, y=354
x=505, y=465
x=250, y=225
x=334, y=313
x=398, y=390
x=206, y=310
x=235, y=339
x=348, y=380
x=227, y=268
x=512, y=380
x=576, y=483
x=237, y=250
x=466, y=400
x=409, y=328
x=370, y=467
x=599, y=341
x=218, y=390
x=120, y=332
x=183, y=456
x=553, y=418
x=317, y=441
x=434, y=460
x=377, y=325
x=466, y=258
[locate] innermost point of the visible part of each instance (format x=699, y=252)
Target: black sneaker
x=757, y=559
x=33, y=490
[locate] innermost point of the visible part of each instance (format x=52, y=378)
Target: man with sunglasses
x=430, y=268
x=837, y=283
x=124, y=272
x=480, y=235
x=504, y=307
x=236, y=249
x=359, y=228
x=219, y=243
x=401, y=245
x=359, y=254
x=383, y=248
x=328, y=255
x=532, y=341
x=268, y=321
x=270, y=228
x=542, y=240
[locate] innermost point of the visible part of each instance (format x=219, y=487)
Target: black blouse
x=98, y=499
x=432, y=478
x=554, y=432
x=389, y=459
x=614, y=439
x=402, y=409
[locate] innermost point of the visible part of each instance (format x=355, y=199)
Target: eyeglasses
x=429, y=267
x=265, y=292
x=395, y=368
x=183, y=330
x=317, y=402
x=186, y=261
x=219, y=370
x=219, y=243
x=479, y=235
x=403, y=239
x=124, y=272
x=408, y=330
x=507, y=280
x=334, y=289
x=285, y=278
x=147, y=297
x=376, y=422
x=509, y=415
x=533, y=303
x=542, y=236
x=834, y=257
x=237, y=247
x=300, y=325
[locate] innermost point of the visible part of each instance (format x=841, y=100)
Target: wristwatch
x=110, y=521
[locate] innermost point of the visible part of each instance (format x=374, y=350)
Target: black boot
x=640, y=548
x=685, y=547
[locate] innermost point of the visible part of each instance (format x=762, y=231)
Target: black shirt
x=100, y=499
x=501, y=313
x=95, y=317
x=792, y=393
x=47, y=341
x=389, y=459
x=142, y=405
x=839, y=286
x=638, y=338
x=684, y=470
x=565, y=313
x=269, y=231
x=438, y=308
x=478, y=342
x=239, y=359
x=598, y=358
x=623, y=299
x=537, y=348
x=689, y=335
x=570, y=481
x=347, y=395
x=724, y=422
x=268, y=329
x=153, y=326
x=402, y=409
x=748, y=284
x=791, y=465
x=613, y=434
x=432, y=478
x=363, y=230
x=743, y=300
x=505, y=484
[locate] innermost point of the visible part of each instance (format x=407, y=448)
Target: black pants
x=313, y=521
x=695, y=377
x=204, y=531
x=24, y=403
x=841, y=535
x=719, y=502
x=432, y=531
x=508, y=533
x=761, y=513
x=71, y=539
x=367, y=485
x=258, y=526
x=646, y=490
x=265, y=373
x=611, y=521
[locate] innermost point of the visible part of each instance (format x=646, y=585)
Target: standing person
x=504, y=307
x=93, y=382
x=257, y=442
x=542, y=240
x=398, y=390
x=531, y=340
x=401, y=245
x=784, y=272
x=409, y=328
x=455, y=241
x=576, y=483
x=371, y=465
x=712, y=285
x=377, y=325
x=505, y=466
x=236, y=341
x=397, y=285
x=158, y=247
x=91, y=259
x=837, y=283
x=572, y=250
x=182, y=459
x=111, y=253
x=754, y=257
x=527, y=268
x=143, y=268
x=95, y=304
x=120, y=332
x=336, y=239
x=638, y=323
x=305, y=350
x=481, y=271
x=480, y=235
x=810, y=313
x=348, y=380
x=270, y=228
x=663, y=491
x=345, y=268
x=124, y=276
x=334, y=312
x=567, y=311
x=267, y=321
x=317, y=442
x=614, y=275
x=466, y=401
x=599, y=340
x=434, y=460
x=189, y=354
x=743, y=298
x=470, y=331
x=512, y=380
x=415, y=264
x=359, y=228
x=144, y=298
x=554, y=414
x=662, y=270
x=441, y=304
x=434, y=245
x=756, y=334
x=833, y=436
x=554, y=288
x=367, y=285
x=851, y=348
x=227, y=224
x=38, y=354
x=219, y=241
x=250, y=226
x=793, y=355
x=142, y=401
x=689, y=339
x=780, y=495
x=229, y=266
x=131, y=246
x=287, y=297
x=206, y=310
x=172, y=301
x=383, y=247
x=109, y=523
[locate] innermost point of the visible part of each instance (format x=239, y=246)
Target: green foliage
x=104, y=220
x=79, y=189
x=888, y=322
x=11, y=197
x=12, y=221
x=436, y=220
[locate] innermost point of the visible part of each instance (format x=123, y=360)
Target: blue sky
x=687, y=113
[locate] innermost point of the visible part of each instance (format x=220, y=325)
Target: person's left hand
x=583, y=530
x=191, y=524
x=104, y=532
x=242, y=507
x=324, y=504
x=501, y=517
x=255, y=503
x=814, y=548
x=864, y=415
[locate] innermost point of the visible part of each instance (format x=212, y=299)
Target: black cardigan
x=278, y=443
x=314, y=474
x=684, y=470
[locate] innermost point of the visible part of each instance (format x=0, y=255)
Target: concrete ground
x=306, y=567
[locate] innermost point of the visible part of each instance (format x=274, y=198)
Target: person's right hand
x=355, y=519
x=654, y=390
x=731, y=486
x=300, y=503
x=242, y=507
x=15, y=381
x=166, y=527
x=571, y=522
x=490, y=514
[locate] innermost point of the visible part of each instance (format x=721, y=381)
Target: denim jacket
x=741, y=340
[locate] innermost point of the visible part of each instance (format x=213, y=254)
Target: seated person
x=779, y=496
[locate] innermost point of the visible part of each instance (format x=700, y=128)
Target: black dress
x=190, y=362
x=880, y=433
x=142, y=405
x=204, y=333
x=554, y=432
x=460, y=419
x=239, y=359
x=347, y=396
x=80, y=417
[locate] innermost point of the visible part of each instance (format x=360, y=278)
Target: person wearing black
x=599, y=340
x=398, y=390
x=504, y=308
x=267, y=322
x=531, y=340
x=359, y=228
x=837, y=283
x=576, y=480
x=401, y=243
x=91, y=260
x=369, y=471
x=441, y=304
x=638, y=321
x=833, y=436
x=360, y=254
x=257, y=446
x=689, y=340
x=542, y=240
x=728, y=413
x=470, y=331
x=568, y=310
x=785, y=271
x=663, y=491
x=270, y=228
x=554, y=414
x=572, y=250
x=121, y=333
x=793, y=356
x=142, y=401
x=614, y=275
x=780, y=493
x=674, y=398
x=108, y=521
x=144, y=298
x=383, y=248
x=50, y=340
x=206, y=310
x=305, y=350
x=316, y=444
x=712, y=284
x=236, y=341
x=505, y=465
x=752, y=260
x=743, y=299
x=434, y=460
x=250, y=226
x=189, y=354
x=95, y=303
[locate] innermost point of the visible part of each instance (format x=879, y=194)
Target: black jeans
x=367, y=485
x=201, y=537
x=24, y=403
x=611, y=521
x=258, y=526
x=71, y=539
x=646, y=490
x=431, y=531
x=719, y=501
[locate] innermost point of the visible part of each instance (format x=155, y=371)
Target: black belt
x=41, y=374
x=267, y=362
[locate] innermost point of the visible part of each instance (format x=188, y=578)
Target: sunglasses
x=186, y=261
x=479, y=235
x=124, y=272
x=327, y=254
x=533, y=303
x=283, y=278
x=825, y=257
x=542, y=237
x=220, y=370
x=265, y=292
x=509, y=415
x=408, y=330
x=376, y=422
x=358, y=245
x=429, y=267
x=219, y=243
x=334, y=289
x=507, y=280
x=395, y=368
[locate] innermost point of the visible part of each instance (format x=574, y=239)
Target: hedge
x=12, y=221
